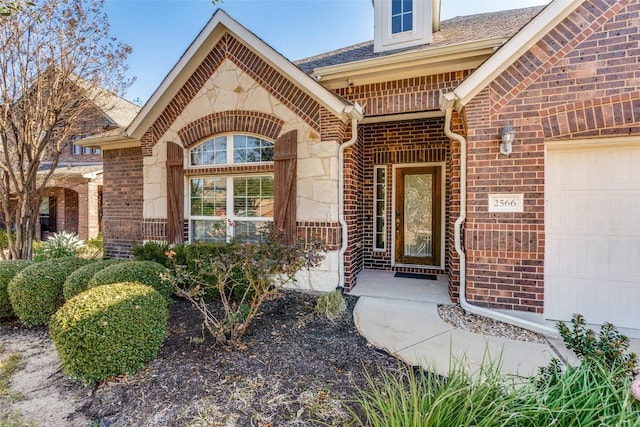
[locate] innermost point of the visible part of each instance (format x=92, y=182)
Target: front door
x=417, y=215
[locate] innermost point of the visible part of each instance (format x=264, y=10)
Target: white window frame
x=421, y=32
x=230, y=218
x=375, y=208
x=230, y=151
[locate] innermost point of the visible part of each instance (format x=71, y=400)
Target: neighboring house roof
x=515, y=47
x=454, y=31
x=119, y=110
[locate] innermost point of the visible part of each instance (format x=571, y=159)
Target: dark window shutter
x=175, y=193
x=285, y=163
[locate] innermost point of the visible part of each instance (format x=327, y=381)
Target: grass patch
x=331, y=305
x=590, y=394
x=10, y=364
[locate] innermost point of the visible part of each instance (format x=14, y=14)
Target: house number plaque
x=506, y=203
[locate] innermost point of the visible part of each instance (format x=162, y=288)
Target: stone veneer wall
x=580, y=80
x=122, y=201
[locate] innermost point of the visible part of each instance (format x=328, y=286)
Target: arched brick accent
x=611, y=115
x=231, y=121
x=277, y=84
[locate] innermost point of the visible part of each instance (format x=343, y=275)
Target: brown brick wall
x=122, y=201
x=582, y=79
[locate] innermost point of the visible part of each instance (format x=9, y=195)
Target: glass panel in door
x=418, y=215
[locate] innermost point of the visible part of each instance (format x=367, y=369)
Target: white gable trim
x=220, y=23
x=518, y=45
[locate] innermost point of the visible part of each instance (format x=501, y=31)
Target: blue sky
x=161, y=30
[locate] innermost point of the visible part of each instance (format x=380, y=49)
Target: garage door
x=592, y=224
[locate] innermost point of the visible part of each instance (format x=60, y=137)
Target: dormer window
x=401, y=16
x=402, y=23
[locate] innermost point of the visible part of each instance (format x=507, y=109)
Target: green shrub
x=36, y=292
x=4, y=239
x=8, y=269
x=331, y=305
x=92, y=248
x=109, y=330
x=243, y=278
x=78, y=280
x=146, y=272
x=607, y=348
x=152, y=251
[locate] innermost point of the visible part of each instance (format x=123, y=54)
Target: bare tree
x=57, y=62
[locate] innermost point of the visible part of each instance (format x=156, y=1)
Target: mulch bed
x=293, y=368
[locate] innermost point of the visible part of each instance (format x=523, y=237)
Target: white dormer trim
x=421, y=32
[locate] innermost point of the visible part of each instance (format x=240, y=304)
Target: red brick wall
x=397, y=143
x=403, y=96
x=92, y=122
x=122, y=201
x=353, y=209
x=582, y=79
x=71, y=210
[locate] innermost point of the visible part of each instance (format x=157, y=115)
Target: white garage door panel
x=592, y=225
x=594, y=298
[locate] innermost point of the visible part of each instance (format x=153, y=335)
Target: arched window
x=231, y=149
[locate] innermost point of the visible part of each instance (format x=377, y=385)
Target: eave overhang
x=458, y=57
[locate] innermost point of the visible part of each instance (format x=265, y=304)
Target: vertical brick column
x=122, y=201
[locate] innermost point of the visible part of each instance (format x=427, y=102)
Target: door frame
x=443, y=207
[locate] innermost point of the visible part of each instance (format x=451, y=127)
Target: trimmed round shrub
x=78, y=281
x=8, y=269
x=109, y=330
x=36, y=292
x=146, y=272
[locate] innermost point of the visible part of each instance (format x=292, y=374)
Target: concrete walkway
x=405, y=323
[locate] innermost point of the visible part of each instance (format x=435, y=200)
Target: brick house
x=390, y=152
x=73, y=197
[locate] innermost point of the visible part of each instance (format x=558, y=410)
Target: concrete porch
x=383, y=284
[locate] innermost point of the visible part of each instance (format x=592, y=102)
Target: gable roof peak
x=220, y=24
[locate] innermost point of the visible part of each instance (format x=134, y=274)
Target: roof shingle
x=461, y=29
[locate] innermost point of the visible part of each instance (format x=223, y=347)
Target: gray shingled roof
x=460, y=29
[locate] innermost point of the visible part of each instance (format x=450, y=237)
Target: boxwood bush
x=109, y=330
x=146, y=272
x=8, y=269
x=78, y=280
x=36, y=291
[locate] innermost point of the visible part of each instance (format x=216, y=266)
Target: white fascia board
x=513, y=49
x=197, y=51
x=109, y=142
x=410, y=58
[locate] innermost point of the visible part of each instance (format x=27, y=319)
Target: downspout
x=356, y=114
x=447, y=103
